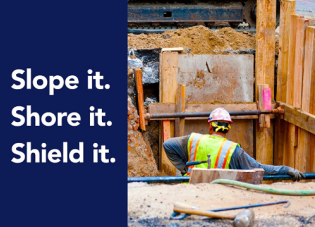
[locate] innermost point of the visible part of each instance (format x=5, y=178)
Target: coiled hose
x=264, y=189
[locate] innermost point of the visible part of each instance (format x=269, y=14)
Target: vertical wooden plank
x=302, y=150
x=289, y=152
x=168, y=86
x=291, y=62
x=308, y=99
x=299, y=61
x=139, y=87
x=264, y=71
x=180, y=108
x=287, y=8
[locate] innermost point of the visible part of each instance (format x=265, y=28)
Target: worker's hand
x=296, y=175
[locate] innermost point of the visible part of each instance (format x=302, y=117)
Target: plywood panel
x=229, y=78
x=219, y=78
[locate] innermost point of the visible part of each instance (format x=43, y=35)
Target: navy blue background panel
x=64, y=38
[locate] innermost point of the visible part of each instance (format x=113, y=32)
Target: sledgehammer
x=243, y=219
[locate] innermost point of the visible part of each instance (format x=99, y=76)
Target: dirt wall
x=141, y=160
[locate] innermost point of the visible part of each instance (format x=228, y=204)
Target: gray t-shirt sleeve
x=176, y=151
x=241, y=160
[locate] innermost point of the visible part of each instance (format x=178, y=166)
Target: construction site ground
x=152, y=204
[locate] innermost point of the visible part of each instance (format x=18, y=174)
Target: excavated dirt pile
x=141, y=162
x=199, y=39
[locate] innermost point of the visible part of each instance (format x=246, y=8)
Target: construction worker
x=224, y=154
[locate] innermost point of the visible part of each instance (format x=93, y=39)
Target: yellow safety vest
x=220, y=150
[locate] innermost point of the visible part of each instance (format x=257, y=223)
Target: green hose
x=264, y=189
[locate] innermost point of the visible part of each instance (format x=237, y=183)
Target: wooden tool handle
x=203, y=213
x=180, y=205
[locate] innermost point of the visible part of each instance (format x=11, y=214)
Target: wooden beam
x=291, y=63
x=312, y=108
x=168, y=86
x=180, y=108
x=202, y=175
x=307, y=141
x=265, y=44
x=299, y=118
x=289, y=152
x=287, y=8
x=139, y=87
x=264, y=71
x=299, y=60
x=173, y=49
x=302, y=136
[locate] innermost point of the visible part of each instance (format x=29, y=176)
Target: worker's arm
x=241, y=160
x=176, y=151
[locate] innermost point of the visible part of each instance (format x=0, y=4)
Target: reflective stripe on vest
x=193, y=148
x=224, y=151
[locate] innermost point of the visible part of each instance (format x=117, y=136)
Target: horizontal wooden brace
x=299, y=118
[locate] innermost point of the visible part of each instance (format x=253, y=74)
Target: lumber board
x=299, y=60
x=289, y=152
x=201, y=175
x=299, y=118
x=180, y=108
x=287, y=8
x=309, y=68
x=304, y=160
x=264, y=71
x=139, y=87
x=173, y=49
x=265, y=44
x=291, y=64
x=165, y=163
x=312, y=111
x=168, y=85
x=300, y=147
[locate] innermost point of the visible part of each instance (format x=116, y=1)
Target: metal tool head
x=209, y=161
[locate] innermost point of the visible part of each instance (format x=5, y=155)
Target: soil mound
x=199, y=39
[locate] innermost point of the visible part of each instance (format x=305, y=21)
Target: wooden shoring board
x=312, y=111
x=299, y=118
x=180, y=108
x=139, y=86
x=289, y=147
x=218, y=79
x=168, y=86
x=307, y=139
x=264, y=71
x=287, y=8
x=302, y=149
